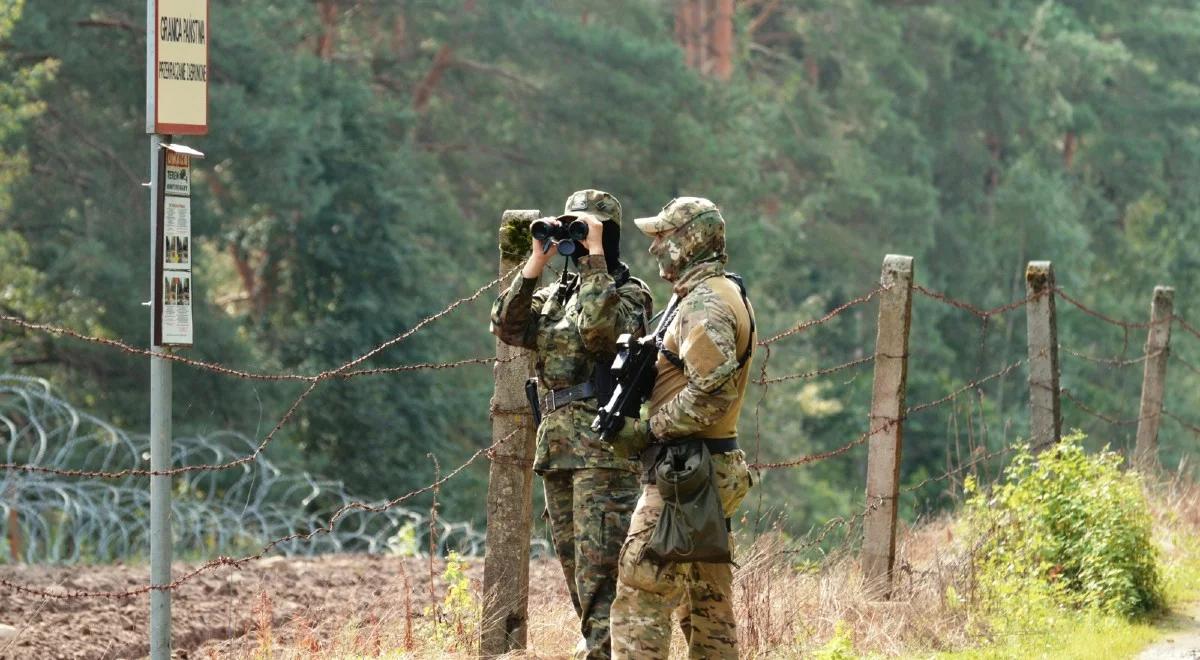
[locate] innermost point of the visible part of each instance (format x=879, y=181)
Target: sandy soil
x=1183, y=642
x=214, y=615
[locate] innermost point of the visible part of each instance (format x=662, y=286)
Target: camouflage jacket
x=569, y=337
x=712, y=335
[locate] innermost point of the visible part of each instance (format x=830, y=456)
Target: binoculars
x=564, y=234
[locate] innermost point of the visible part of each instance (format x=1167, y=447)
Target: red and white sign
x=181, y=36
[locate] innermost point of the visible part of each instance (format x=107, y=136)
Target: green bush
x=1067, y=527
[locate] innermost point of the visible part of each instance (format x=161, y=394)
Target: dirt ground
x=215, y=615
x=1182, y=641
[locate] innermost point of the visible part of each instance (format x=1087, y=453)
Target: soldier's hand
x=595, y=236
x=540, y=256
x=633, y=437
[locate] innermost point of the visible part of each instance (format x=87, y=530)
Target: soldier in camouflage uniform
x=573, y=326
x=703, y=369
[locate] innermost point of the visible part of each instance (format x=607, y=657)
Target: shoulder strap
x=667, y=316
x=741, y=285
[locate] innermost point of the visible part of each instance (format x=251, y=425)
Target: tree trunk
x=722, y=40
x=1070, y=146
x=328, y=13
x=424, y=90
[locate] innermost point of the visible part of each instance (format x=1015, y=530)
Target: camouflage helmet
x=594, y=202
x=677, y=213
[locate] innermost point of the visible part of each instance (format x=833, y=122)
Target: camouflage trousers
x=589, y=511
x=701, y=594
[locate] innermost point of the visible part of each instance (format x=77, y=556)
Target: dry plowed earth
x=216, y=615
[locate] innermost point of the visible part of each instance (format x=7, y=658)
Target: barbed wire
x=965, y=388
x=422, y=323
x=834, y=523
x=428, y=366
x=1188, y=365
x=185, y=469
x=983, y=314
x=1114, y=421
x=1182, y=422
x=763, y=380
x=1127, y=325
x=887, y=424
x=1186, y=326
x=220, y=561
x=1112, y=362
x=804, y=325
x=67, y=521
x=344, y=371
x=958, y=470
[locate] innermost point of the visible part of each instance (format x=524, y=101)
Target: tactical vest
x=671, y=377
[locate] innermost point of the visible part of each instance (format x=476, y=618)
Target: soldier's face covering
x=702, y=239
x=662, y=250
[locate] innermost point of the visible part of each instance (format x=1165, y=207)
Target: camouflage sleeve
x=515, y=312
x=708, y=328
x=606, y=312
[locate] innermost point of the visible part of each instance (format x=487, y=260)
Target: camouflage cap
x=595, y=202
x=677, y=213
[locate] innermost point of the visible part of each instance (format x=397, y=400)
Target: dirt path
x=1183, y=640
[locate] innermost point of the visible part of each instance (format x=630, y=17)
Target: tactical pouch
x=692, y=526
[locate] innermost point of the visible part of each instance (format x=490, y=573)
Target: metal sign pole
x=177, y=41
x=160, y=442
x=160, y=386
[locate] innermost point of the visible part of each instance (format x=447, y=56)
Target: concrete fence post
x=1045, y=407
x=504, y=625
x=887, y=423
x=1154, y=378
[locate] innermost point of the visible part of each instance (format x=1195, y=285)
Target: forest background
x=361, y=153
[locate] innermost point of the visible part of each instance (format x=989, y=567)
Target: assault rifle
x=633, y=372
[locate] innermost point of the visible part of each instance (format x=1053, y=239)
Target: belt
x=558, y=398
x=721, y=445
x=651, y=454
x=715, y=445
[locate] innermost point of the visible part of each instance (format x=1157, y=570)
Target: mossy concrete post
x=1154, y=378
x=1045, y=407
x=504, y=626
x=887, y=423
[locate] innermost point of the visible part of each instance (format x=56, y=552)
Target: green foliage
x=839, y=647
x=1067, y=528
x=454, y=622
x=404, y=542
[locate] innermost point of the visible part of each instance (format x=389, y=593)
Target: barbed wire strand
x=1112, y=362
x=805, y=325
x=958, y=470
x=1127, y=325
x=1114, y=421
x=1186, y=326
x=203, y=467
x=341, y=372
x=832, y=524
x=344, y=369
x=1182, y=422
x=1188, y=365
x=983, y=314
x=213, y=564
x=763, y=380
x=887, y=424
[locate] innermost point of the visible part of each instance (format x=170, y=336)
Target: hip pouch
x=692, y=527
